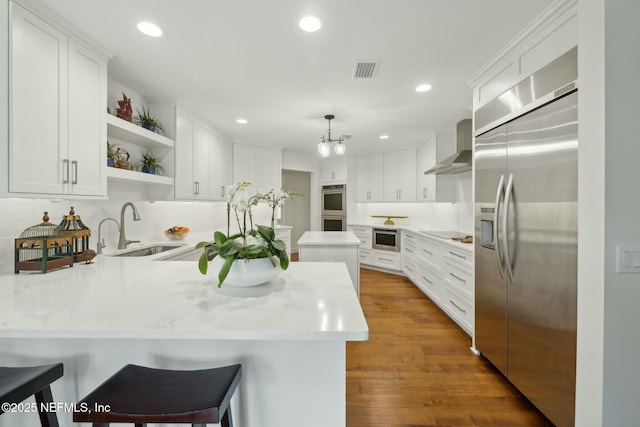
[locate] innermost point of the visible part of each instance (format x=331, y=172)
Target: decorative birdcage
x=41, y=247
x=71, y=225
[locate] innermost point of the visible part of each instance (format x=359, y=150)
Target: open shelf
x=117, y=174
x=129, y=132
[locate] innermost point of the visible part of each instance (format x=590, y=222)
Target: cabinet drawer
x=459, y=307
x=459, y=255
x=409, y=268
x=429, y=251
x=365, y=256
x=409, y=246
x=387, y=259
x=365, y=234
x=429, y=281
x=459, y=277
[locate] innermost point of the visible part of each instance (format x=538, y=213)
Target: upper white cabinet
x=399, y=176
x=259, y=166
x=333, y=170
x=193, y=153
x=432, y=187
x=62, y=86
x=220, y=170
x=369, y=182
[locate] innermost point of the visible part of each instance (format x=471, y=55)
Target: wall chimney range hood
x=461, y=161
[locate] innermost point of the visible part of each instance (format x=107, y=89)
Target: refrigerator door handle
x=496, y=240
x=505, y=223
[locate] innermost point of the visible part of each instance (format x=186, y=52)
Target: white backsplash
x=18, y=214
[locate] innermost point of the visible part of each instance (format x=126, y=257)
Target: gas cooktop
x=445, y=234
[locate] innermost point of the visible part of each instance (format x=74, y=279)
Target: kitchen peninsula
x=289, y=334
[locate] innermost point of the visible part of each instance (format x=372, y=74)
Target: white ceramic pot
x=247, y=272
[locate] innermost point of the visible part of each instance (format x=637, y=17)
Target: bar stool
x=140, y=395
x=17, y=384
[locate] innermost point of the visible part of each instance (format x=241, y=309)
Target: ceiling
x=229, y=59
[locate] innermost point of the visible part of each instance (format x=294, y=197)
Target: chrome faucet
x=122, y=241
x=101, y=244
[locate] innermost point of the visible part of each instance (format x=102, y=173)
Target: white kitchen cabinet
x=193, y=153
x=61, y=84
x=220, y=170
x=333, y=170
x=434, y=187
x=259, y=166
x=399, y=176
x=458, y=286
x=369, y=180
x=409, y=248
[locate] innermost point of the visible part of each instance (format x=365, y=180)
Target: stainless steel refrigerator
x=526, y=190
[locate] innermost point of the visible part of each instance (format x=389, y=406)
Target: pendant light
x=324, y=147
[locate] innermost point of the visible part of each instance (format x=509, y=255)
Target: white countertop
x=328, y=238
x=119, y=297
x=417, y=230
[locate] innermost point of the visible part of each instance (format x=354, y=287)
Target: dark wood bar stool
x=140, y=395
x=17, y=384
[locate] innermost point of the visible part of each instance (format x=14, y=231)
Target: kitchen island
x=289, y=334
x=334, y=246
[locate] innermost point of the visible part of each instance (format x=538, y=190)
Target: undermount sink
x=190, y=255
x=147, y=251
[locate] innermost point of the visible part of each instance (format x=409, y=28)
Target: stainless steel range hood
x=461, y=161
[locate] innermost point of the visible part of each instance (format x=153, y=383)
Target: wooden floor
x=417, y=369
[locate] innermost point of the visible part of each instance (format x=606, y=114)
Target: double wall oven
x=334, y=207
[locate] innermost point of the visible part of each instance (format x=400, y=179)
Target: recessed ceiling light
x=310, y=24
x=423, y=87
x=384, y=136
x=150, y=29
x=242, y=121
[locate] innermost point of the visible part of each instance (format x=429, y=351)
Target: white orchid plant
x=249, y=242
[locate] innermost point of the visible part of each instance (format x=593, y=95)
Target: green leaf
x=266, y=232
x=224, y=270
x=229, y=248
x=253, y=250
x=219, y=237
x=279, y=245
x=272, y=261
x=284, y=261
x=203, y=262
x=203, y=244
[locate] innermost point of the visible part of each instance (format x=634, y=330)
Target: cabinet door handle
x=65, y=165
x=196, y=187
x=399, y=194
x=74, y=166
x=459, y=278
x=333, y=175
x=368, y=195
x=428, y=281
x=458, y=255
x=222, y=191
x=458, y=307
x=424, y=192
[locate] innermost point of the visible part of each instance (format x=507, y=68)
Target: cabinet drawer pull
x=74, y=167
x=426, y=251
x=458, y=255
x=385, y=259
x=408, y=250
x=408, y=236
x=428, y=281
x=65, y=165
x=458, y=307
x=408, y=268
x=459, y=278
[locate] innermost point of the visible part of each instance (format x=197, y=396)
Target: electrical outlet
x=628, y=258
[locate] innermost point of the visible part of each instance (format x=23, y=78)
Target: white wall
x=4, y=95
x=622, y=211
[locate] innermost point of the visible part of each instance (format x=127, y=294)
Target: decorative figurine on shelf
x=125, y=112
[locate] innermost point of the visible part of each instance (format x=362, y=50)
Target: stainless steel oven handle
x=496, y=240
x=508, y=194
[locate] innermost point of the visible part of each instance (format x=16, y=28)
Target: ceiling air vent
x=366, y=69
